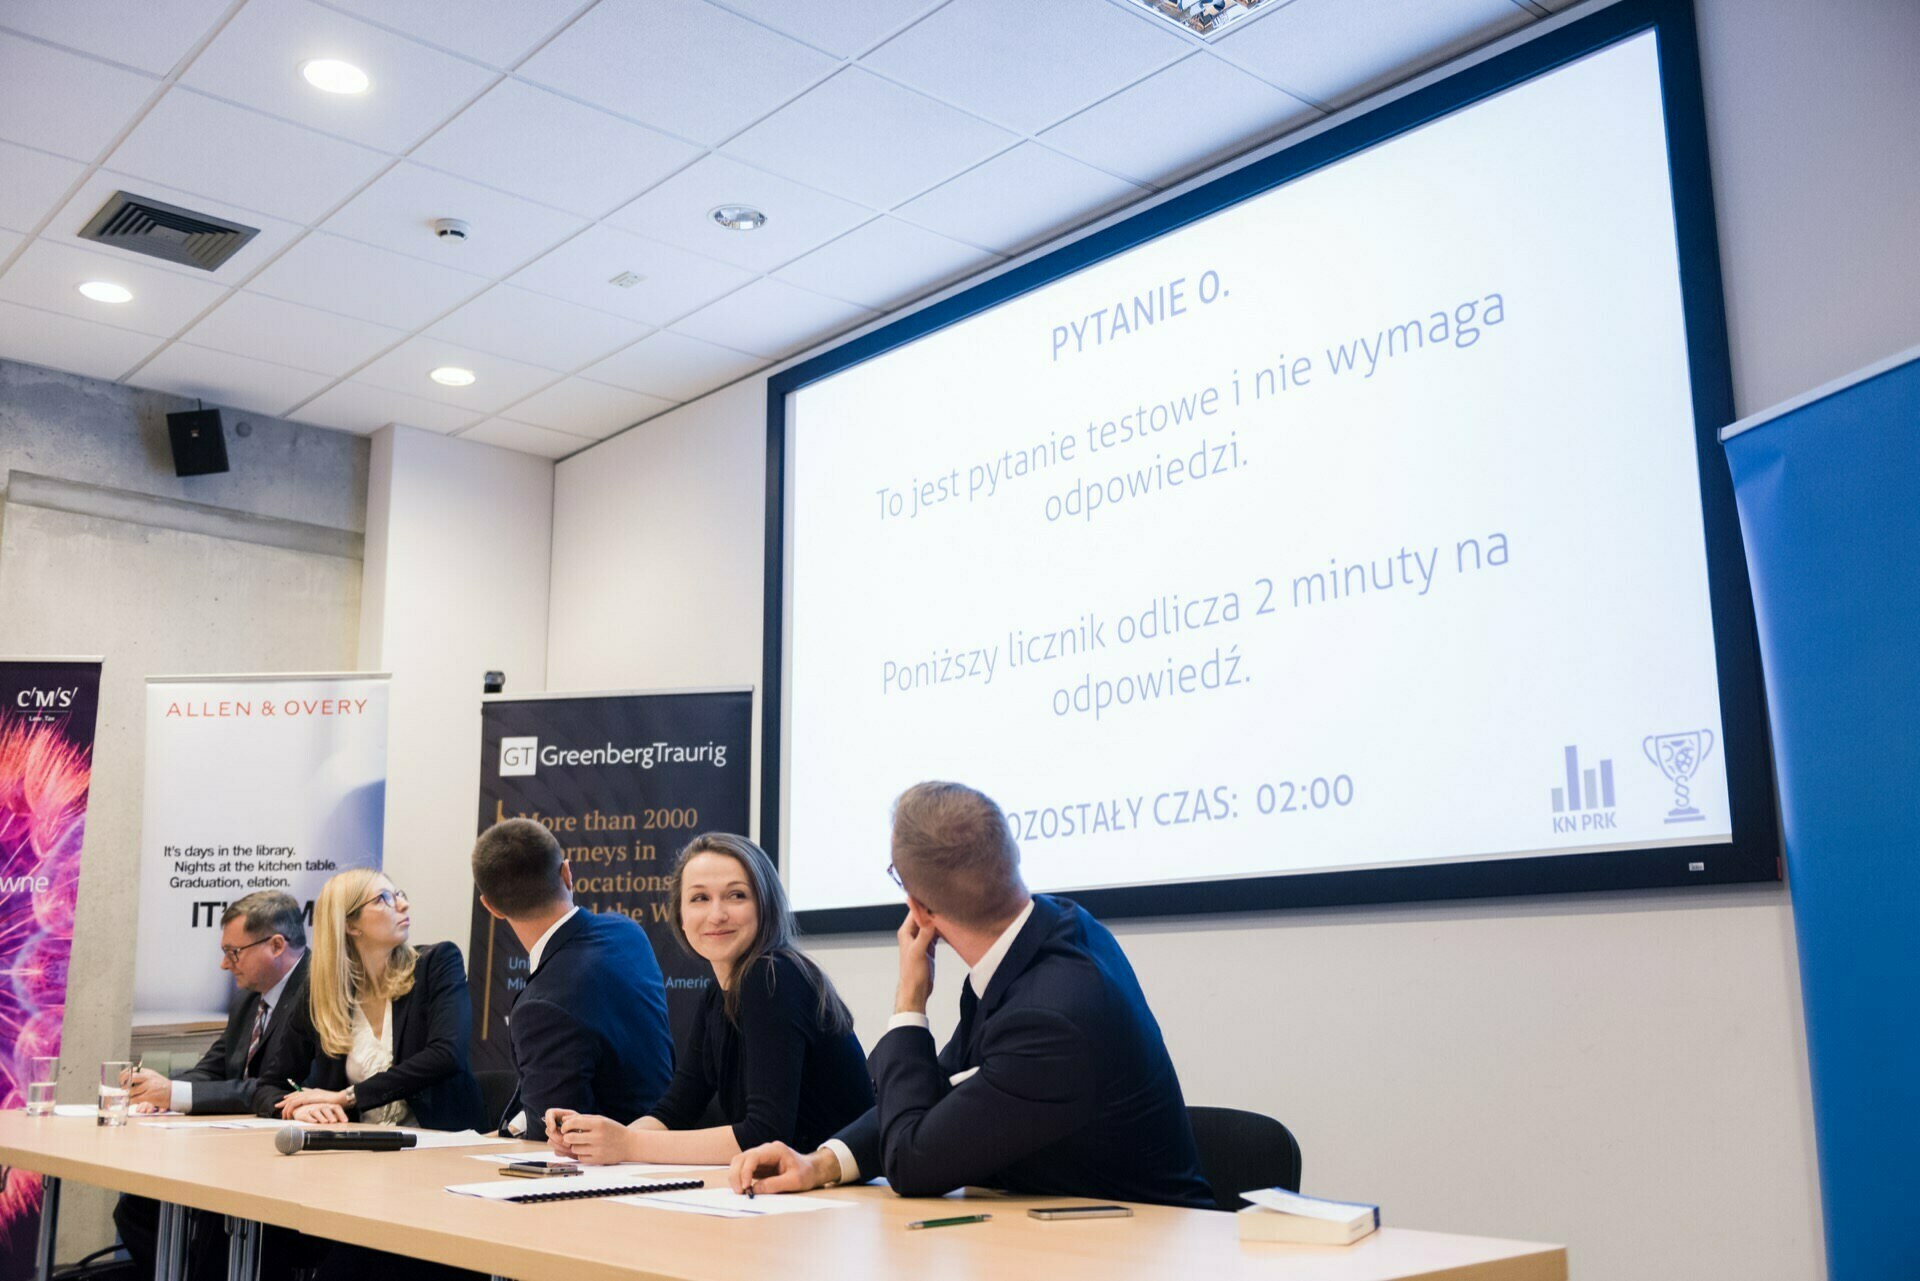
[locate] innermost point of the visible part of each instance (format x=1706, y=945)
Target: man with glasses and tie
x=263, y=944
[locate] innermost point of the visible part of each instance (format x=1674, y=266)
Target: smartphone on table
x=1081, y=1212
x=538, y=1169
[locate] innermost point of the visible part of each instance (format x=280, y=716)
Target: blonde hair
x=337, y=979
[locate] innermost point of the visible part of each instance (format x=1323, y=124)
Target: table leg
x=243, y=1250
x=49, y=1228
x=170, y=1246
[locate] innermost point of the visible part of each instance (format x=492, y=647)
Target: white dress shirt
x=519, y=1123
x=977, y=978
x=182, y=1092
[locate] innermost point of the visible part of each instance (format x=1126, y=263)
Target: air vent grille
x=161, y=230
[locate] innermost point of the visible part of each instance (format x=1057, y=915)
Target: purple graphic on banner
x=46, y=764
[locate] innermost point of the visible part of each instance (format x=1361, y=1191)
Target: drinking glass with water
x=43, y=1079
x=114, y=1092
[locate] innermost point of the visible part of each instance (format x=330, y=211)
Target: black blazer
x=431, y=1028
x=589, y=1030
x=220, y=1079
x=780, y=1074
x=1075, y=1094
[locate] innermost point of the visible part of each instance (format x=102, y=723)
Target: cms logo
x=518, y=756
x=41, y=700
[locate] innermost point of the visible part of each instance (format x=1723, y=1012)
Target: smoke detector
x=452, y=228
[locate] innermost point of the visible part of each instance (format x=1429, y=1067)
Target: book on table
x=1279, y=1215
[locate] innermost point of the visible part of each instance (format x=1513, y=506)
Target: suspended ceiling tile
x=582, y=407
x=256, y=61
x=672, y=282
x=1337, y=53
x=1151, y=133
x=249, y=324
x=357, y=407
x=1018, y=199
x=34, y=183
x=772, y=318
x=684, y=66
x=524, y=325
x=1026, y=65
x=193, y=143
x=49, y=276
x=497, y=32
x=525, y=438
x=152, y=35
x=498, y=381
x=869, y=140
x=674, y=366
x=77, y=346
x=336, y=274
x=545, y=148
x=239, y=382
x=64, y=103
x=398, y=212
x=273, y=234
x=842, y=28
x=679, y=211
x=885, y=263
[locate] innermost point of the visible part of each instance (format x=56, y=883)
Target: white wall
x=458, y=539
x=1623, y=1073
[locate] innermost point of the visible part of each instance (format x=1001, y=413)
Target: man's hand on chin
x=775, y=1167
x=916, y=965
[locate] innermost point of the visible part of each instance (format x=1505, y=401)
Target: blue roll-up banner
x=1829, y=494
x=623, y=780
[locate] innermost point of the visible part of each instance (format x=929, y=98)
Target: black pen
x=948, y=1223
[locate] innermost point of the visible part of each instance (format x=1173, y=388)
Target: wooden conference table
x=395, y=1201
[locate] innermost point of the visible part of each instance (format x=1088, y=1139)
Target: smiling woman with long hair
x=383, y=1034
x=772, y=1042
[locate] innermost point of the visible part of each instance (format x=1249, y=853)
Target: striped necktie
x=259, y=1035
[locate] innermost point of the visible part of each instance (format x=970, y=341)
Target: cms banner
x=253, y=783
x=47, y=713
x=623, y=781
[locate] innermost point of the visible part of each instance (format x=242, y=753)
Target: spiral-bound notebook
x=572, y=1188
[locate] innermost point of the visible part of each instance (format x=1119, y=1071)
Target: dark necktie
x=969, y=1003
x=259, y=1035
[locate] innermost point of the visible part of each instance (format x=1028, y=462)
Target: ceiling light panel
x=1205, y=18
x=506, y=140
x=681, y=65
x=257, y=60
x=106, y=291
x=497, y=381
x=49, y=276
x=64, y=103
x=799, y=218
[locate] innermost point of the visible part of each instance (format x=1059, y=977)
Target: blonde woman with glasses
x=383, y=1034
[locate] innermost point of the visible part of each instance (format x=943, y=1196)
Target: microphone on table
x=294, y=1138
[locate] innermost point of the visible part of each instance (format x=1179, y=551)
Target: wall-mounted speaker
x=199, y=442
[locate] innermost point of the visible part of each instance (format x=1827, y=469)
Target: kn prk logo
x=519, y=756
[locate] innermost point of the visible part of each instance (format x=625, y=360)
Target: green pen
x=947, y=1223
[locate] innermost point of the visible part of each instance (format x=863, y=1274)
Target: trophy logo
x=1678, y=756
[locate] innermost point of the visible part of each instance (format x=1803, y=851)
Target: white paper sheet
x=724, y=1203
x=506, y=1189
x=454, y=1139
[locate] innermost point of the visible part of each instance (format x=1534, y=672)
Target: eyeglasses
x=894, y=872
x=233, y=953
x=392, y=898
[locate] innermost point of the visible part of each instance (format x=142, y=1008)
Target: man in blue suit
x=589, y=1030
x=1056, y=1081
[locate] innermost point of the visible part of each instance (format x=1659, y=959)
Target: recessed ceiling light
x=106, y=291
x=452, y=376
x=739, y=217
x=330, y=75
x=1204, y=18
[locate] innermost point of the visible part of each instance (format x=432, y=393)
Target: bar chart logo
x=1584, y=802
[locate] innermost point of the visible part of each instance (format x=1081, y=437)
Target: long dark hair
x=775, y=934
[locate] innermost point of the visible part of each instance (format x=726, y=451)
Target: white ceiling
x=896, y=145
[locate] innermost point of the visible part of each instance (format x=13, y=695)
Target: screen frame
x=1754, y=853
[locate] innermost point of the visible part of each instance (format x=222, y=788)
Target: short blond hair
x=955, y=853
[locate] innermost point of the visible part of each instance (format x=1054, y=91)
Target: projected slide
x=1357, y=525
